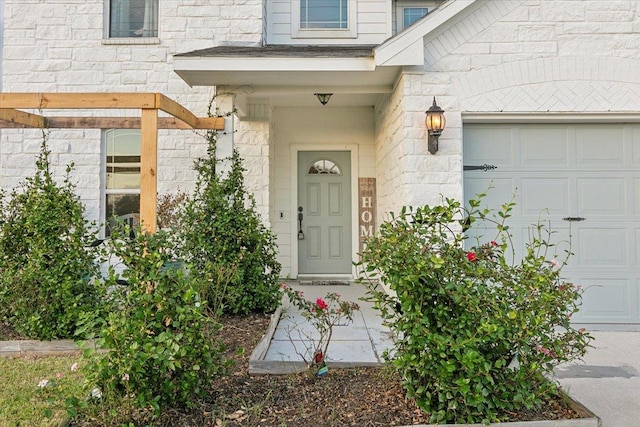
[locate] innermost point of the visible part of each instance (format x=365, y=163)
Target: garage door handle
x=484, y=168
x=574, y=218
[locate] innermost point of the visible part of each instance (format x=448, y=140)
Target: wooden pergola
x=12, y=116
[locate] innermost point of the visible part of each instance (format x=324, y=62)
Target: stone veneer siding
x=58, y=46
x=528, y=56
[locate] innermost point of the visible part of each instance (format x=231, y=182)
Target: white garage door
x=585, y=180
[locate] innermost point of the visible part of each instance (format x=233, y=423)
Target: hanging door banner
x=366, y=209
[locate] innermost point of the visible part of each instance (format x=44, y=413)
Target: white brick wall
x=551, y=56
x=58, y=46
x=389, y=115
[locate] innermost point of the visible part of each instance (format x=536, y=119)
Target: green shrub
x=233, y=254
x=162, y=349
x=476, y=333
x=46, y=259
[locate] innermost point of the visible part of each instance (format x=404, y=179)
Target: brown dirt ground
x=343, y=397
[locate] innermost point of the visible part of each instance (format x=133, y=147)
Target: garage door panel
x=602, y=246
x=524, y=234
x=602, y=196
x=605, y=299
x=635, y=145
x=592, y=142
x=635, y=250
x=540, y=146
x=636, y=196
x=489, y=144
x=550, y=195
x=500, y=187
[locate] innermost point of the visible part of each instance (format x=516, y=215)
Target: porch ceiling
x=290, y=75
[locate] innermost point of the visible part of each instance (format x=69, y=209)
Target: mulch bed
x=7, y=333
x=343, y=397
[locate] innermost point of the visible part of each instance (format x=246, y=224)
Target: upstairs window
x=323, y=19
x=412, y=14
x=408, y=12
x=133, y=18
x=325, y=14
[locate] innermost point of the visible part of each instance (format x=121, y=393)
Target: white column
x=224, y=146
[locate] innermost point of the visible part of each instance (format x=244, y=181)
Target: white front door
x=324, y=212
x=585, y=180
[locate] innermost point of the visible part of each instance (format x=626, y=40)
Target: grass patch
x=26, y=404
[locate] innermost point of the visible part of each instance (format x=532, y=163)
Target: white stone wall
x=59, y=46
x=389, y=115
x=527, y=56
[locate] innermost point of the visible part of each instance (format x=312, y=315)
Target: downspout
x=1, y=72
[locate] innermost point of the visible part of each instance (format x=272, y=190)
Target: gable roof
x=406, y=47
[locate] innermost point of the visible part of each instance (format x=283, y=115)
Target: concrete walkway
x=360, y=343
x=607, y=381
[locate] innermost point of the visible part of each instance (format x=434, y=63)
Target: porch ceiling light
x=435, y=122
x=323, y=97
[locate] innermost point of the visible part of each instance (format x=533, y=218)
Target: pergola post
x=148, y=169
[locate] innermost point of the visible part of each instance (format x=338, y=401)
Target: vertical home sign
x=366, y=209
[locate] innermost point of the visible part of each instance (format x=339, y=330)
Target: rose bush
x=477, y=335
x=323, y=314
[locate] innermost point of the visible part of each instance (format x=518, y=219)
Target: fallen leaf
x=235, y=415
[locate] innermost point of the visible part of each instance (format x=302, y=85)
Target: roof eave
x=233, y=63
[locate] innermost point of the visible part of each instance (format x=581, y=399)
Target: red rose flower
x=321, y=304
x=471, y=256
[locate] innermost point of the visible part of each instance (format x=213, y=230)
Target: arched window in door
x=324, y=167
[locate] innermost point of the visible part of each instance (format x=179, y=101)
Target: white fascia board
x=392, y=52
x=272, y=64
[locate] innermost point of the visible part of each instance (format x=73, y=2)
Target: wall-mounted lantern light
x=323, y=97
x=435, y=122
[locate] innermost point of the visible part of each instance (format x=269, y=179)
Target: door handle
x=573, y=218
x=300, y=217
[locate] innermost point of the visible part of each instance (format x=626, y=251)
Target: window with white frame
x=133, y=18
x=412, y=14
x=324, y=18
x=409, y=11
x=332, y=14
x=122, y=177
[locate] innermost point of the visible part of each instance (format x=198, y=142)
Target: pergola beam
x=128, y=123
x=148, y=103
x=176, y=110
x=74, y=101
x=21, y=119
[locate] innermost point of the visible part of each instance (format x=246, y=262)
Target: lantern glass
x=435, y=121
